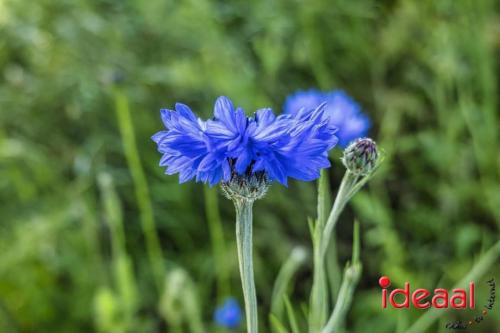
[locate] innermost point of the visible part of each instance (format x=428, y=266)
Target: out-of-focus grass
x=141, y=186
x=425, y=71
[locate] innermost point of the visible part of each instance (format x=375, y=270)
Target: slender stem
x=352, y=273
x=343, y=195
x=333, y=271
x=332, y=268
x=244, y=243
x=322, y=236
x=319, y=301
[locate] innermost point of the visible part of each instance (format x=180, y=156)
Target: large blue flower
x=289, y=145
x=341, y=110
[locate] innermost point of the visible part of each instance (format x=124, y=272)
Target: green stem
x=319, y=306
x=332, y=267
x=343, y=196
x=318, y=302
x=350, y=184
x=322, y=236
x=350, y=280
x=244, y=243
x=333, y=271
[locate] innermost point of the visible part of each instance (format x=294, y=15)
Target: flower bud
x=361, y=156
x=249, y=186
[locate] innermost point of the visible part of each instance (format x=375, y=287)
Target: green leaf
x=276, y=325
x=291, y=315
x=310, y=223
x=286, y=274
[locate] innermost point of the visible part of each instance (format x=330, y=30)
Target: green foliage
x=81, y=84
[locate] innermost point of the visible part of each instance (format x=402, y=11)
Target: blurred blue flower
x=342, y=111
x=288, y=145
x=229, y=314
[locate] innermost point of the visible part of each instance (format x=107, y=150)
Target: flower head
x=232, y=145
x=361, y=156
x=341, y=110
x=229, y=314
x=251, y=186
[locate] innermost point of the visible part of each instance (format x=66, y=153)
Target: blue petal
x=185, y=111
x=243, y=161
x=166, y=117
x=159, y=136
x=224, y=111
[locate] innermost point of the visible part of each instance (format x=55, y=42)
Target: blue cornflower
x=342, y=111
x=229, y=314
x=233, y=145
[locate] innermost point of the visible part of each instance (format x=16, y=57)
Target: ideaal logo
x=440, y=299
x=460, y=298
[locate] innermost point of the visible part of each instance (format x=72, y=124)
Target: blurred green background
x=93, y=236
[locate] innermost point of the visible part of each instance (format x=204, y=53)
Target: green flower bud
x=250, y=186
x=361, y=156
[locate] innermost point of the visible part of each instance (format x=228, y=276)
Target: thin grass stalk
x=141, y=187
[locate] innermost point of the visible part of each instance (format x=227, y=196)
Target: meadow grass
x=92, y=232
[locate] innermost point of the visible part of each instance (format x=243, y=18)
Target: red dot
x=384, y=282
